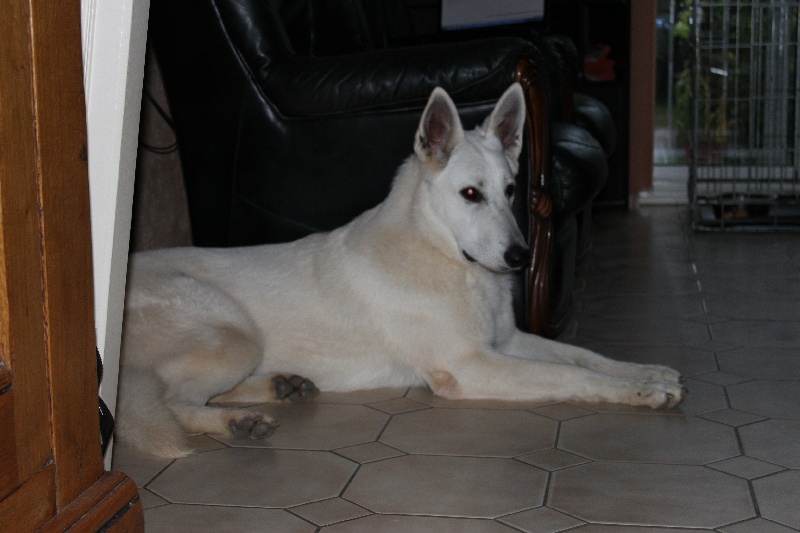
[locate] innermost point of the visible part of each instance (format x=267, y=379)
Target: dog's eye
x=510, y=191
x=471, y=194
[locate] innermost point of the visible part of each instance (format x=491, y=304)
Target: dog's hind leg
x=217, y=358
x=242, y=423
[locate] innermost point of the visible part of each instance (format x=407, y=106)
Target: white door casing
x=114, y=36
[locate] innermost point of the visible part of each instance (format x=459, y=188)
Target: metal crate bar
x=745, y=138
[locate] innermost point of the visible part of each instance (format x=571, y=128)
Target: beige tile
x=773, y=399
x=150, y=500
x=475, y=432
x=315, y=426
x=193, y=519
x=616, y=528
x=648, y=438
x=541, y=520
x=397, y=406
x=758, y=333
x=467, y=487
x=773, y=304
x=722, y=378
x=757, y=525
x=643, y=283
x=772, y=363
x=775, y=441
x=204, y=443
x=688, y=361
x=141, y=467
x=702, y=398
x=732, y=417
x=644, y=301
x=331, y=511
x=562, y=411
x=369, y=452
x=254, y=477
x=643, y=331
x=745, y=467
x=777, y=497
x=650, y=495
x=553, y=459
x=408, y=524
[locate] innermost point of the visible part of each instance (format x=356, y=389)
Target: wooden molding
x=541, y=222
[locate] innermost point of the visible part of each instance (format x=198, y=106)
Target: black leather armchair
x=279, y=139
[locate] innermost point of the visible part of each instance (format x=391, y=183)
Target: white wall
x=114, y=37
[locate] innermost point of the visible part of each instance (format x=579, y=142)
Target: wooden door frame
x=47, y=331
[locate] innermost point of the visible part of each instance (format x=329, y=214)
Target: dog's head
x=471, y=178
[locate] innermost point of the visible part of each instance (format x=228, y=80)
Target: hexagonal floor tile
x=192, y=518
x=688, y=361
x=776, y=363
x=315, y=426
x=745, y=467
x=467, y=487
x=642, y=331
x=616, y=528
x=473, y=432
x=757, y=525
x=285, y=477
x=774, y=441
x=758, y=334
x=773, y=399
x=648, y=438
x=404, y=524
x=650, y=495
x=777, y=497
x=541, y=520
x=327, y=512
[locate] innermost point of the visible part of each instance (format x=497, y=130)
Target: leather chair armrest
x=593, y=116
x=580, y=162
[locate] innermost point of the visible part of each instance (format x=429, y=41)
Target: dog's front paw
x=251, y=426
x=660, y=394
x=661, y=373
x=294, y=388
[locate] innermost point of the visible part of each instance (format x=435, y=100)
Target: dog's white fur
x=415, y=291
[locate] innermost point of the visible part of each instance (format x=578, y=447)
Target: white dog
x=414, y=291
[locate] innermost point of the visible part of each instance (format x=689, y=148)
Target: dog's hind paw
x=251, y=427
x=294, y=388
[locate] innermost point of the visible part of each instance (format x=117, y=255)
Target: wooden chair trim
x=541, y=205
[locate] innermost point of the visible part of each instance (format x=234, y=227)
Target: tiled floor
x=724, y=309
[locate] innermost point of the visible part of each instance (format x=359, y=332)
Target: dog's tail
x=143, y=419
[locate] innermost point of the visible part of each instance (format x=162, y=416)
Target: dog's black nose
x=517, y=256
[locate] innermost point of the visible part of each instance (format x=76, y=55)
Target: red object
x=597, y=66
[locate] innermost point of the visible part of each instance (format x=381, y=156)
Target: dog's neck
x=408, y=204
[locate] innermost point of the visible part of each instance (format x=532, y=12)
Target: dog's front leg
x=525, y=345
x=485, y=374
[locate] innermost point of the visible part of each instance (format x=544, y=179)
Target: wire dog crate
x=745, y=135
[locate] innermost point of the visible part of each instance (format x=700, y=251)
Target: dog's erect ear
x=508, y=119
x=439, y=129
